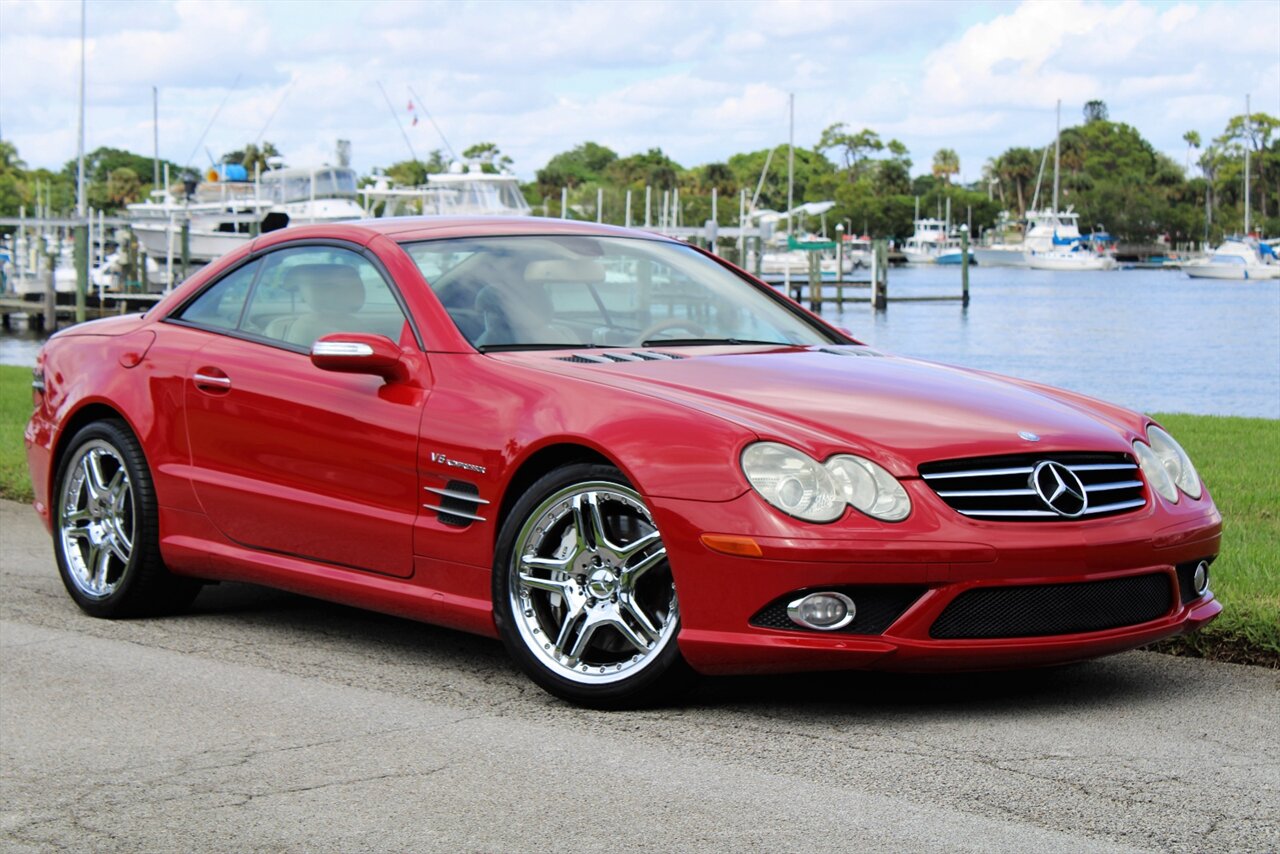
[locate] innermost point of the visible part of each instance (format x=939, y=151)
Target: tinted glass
x=220, y=306
x=582, y=291
x=313, y=291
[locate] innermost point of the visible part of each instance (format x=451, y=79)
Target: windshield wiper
x=506, y=348
x=693, y=342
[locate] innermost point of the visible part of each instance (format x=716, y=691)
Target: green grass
x=1238, y=457
x=15, y=409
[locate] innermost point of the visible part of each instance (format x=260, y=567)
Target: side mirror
x=360, y=353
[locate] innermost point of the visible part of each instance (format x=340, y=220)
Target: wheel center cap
x=602, y=584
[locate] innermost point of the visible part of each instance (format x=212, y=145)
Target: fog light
x=1200, y=580
x=825, y=612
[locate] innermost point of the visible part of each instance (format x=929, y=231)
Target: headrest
x=327, y=288
x=522, y=305
x=581, y=270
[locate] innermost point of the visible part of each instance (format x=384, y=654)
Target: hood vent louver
x=863, y=351
x=607, y=358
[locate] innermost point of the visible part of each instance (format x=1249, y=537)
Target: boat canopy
x=295, y=185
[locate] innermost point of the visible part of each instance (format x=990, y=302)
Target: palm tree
x=945, y=164
x=1192, y=139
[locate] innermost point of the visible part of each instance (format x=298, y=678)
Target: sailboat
x=1238, y=258
x=1065, y=251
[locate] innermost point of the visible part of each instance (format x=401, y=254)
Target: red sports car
x=625, y=457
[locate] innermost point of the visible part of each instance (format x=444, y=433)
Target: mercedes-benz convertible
x=622, y=455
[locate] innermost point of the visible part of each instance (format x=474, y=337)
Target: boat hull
x=202, y=245
x=1061, y=263
x=1233, y=272
x=988, y=257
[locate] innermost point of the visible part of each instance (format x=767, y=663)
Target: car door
x=290, y=458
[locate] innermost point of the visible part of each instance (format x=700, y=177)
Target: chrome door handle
x=205, y=379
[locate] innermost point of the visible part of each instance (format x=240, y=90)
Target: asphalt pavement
x=264, y=721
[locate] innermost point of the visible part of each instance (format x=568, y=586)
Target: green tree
x=252, y=157
x=855, y=149
x=1192, y=139
x=575, y=167
x=1095, y=111
x=491, y=158
x=945, y=164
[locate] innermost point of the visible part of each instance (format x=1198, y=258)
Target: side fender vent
x=457, y=503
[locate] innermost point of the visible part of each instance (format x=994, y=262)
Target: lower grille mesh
x=1055, y=609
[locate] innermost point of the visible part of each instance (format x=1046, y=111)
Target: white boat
x=1000, y=255
x=1237, y=258
x=1067, y=259
x=857, y=252
x=310, y=195
x=221, y=212
x=929, y=242
x=465, y=190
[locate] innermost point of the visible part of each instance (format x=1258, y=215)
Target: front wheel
x=106, y=532
x=583, y=594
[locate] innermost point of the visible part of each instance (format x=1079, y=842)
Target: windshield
x=539, y=291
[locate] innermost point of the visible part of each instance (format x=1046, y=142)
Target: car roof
x=410, y=228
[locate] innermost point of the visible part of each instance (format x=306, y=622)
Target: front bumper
x=936, y=550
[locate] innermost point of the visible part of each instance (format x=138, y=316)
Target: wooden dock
x=35, y=309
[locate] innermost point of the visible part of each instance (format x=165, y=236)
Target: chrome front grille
x=1004, y=488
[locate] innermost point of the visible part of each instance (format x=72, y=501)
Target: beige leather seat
x=333, y=293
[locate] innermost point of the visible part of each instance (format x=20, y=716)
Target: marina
x=1155, y=340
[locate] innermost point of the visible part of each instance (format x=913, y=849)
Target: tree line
x=1109, y=173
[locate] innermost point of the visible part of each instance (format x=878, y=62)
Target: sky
x=700, y=79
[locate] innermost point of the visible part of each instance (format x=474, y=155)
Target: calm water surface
x=1153, y=340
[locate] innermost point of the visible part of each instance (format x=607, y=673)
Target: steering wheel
x=663, y=325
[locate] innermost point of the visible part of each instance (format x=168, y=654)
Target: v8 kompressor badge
x=444, y=460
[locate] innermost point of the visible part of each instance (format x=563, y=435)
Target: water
x=1152, y=340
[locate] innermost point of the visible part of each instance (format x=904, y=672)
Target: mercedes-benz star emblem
x=1028, y=435
x=1059, y=488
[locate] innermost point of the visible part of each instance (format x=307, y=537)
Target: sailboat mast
x=1057, y=144
x=1248, y=139
x=791, y=161
x=155, y=133
x=80, y=205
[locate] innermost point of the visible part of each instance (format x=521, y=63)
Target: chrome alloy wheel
x=96, y=519
x=590, y=589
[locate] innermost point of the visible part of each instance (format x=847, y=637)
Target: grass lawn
x=1238, y=457
x=15, y=409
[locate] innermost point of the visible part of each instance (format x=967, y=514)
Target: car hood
x=900, y=411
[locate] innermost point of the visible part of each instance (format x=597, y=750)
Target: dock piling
x=880, y=275
x=964, y=266
x=82, y=269
x=815, y=282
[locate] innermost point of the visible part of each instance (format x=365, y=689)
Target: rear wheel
x=106, y=533
x=583, y=593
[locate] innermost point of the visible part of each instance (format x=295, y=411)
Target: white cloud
x=700, y=80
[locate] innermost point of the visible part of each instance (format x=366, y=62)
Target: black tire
x=116, y=526
x=636, y=614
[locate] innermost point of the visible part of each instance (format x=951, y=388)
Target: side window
x=220, y=306
x=306, y=293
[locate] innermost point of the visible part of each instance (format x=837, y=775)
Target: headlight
x=792, y=482
x=1155, y=471
x=1175, y=461
x=818, y=492
x=869, y=488
x=1167, y=466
